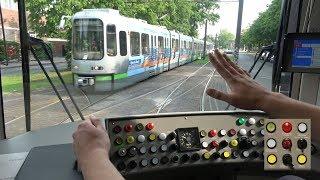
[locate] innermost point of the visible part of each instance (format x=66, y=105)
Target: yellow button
x=226, y=154
x=234, y=143
x=271, y=127
x=302, y=159
x=130, y=139
x=272, y=159
x=152, y=137
x=206, y=155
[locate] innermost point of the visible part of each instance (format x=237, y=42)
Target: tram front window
x=88, y=39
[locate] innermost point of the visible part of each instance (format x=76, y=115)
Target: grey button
x=144, y=163
x=164, y=148
x=143, y=150
x=153, y=149
x=154, y=161
x=122, y=152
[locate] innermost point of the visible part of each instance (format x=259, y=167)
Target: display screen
x=306, y=53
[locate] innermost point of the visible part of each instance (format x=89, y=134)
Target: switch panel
x=287, y=144
x=158, y=142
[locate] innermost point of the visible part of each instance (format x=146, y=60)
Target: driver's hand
x=90, y=139
x=244, y=93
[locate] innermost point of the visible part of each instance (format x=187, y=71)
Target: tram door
x=160, y=54
x=165, y=55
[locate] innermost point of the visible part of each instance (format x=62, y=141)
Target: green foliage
x=264, y=30
x=225, y=39
x=13, y=50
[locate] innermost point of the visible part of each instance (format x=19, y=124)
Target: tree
x=263, y=30
x=225, y=39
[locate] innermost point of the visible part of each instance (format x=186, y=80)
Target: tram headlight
x=75, y=67
x=96, y=68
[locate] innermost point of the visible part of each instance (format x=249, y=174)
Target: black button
x=174, y=158
x=254, y=154
x=287, y=160
x=223, y=144
x=173, y=147
x=244, y=143
x=133, y=151
x=302, y=144
x=215, y=156
x=185, y=158
x=164, y=160
x=132, y=164
x=195, y=157
x=172, y=136
x=121, y=166
x=235, y=154
x=117, y=129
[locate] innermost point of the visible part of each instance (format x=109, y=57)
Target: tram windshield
x=88, y=39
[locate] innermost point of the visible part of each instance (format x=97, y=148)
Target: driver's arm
x=245, y=93
x=91, y=146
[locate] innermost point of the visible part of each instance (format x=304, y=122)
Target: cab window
x=111, y=40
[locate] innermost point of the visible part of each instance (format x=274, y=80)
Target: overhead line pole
x=238, y=34
x=205, y=40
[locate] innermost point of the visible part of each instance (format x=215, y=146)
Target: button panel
x=287, y=144
x=147, y=143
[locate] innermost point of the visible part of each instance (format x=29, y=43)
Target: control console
x=150, y=143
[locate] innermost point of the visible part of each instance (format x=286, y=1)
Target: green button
x=271, y=127
x=130, y=139
x=241, y=121
x=139, y=127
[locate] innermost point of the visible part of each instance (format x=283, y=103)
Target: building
x=11, y=20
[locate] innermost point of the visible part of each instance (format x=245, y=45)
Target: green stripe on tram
x=108, y=78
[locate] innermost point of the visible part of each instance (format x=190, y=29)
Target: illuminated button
x=271, y=127
x=252, y=121
x=141, y=138
x=122, y=152
x=152, y=137
x=139, y=127
x=128, y=127
x=144, y=163
x=162, y=136
x=164, y=148
x=252, y=132
x=153, y=149
x=262, y=132
x=149, y=126
x=206, y=155
x=154, y=161
x=204, y=144
x=287, y=143
x=302, y=127
x=226, y=154
x=232, y=132
x=212, y=133
x=214, y=144
x=302, y=159
x=286, y=127
x=271, y=143
x=261, y=122
x=234, y=143
x=203, y=133
x=302, y=144
x=242, y=132
x=117, y=129
x=132, y=151
x=195, y=157
x=254, y=143
x=130, y=139
x=241, y=121
x=245, y=154
x=143, y=150
x=118, y=141
x=222, y=132
x=272, y=159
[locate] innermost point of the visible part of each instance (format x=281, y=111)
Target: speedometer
x=188, y=139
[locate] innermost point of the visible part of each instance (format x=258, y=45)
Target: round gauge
x=188, y=139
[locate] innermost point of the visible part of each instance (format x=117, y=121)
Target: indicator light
x=117, y=129
x=128, y=127
x=252, y=121
x=287, y=144
x=212, y=133
x=141, y=138
x=118, y=141
x=203, y=133
x=234, y=143
x=130, y=139
x=286, y=127
x=272, y=159
x=226, y=154
x=302, y=159
x=152, y=137
x=271, y=143
x=149, y=126
x=271, y=127
x=206, y=155
x=241, y=121
x=139, y=127
x=232, y=132
x=302, y=127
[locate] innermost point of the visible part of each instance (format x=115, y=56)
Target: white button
x=243, y=132
x=204, y=144
x=262, y=132
x=252, y=132
x=271, y=143
x=252, y=121
x=162, y=136
x=254, y=143
x=245, y=154
x=302, y=127
x=141, y=138
x=223, y=132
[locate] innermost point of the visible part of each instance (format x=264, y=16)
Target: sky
x=228, y=12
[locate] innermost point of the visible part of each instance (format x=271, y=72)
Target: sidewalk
x=15, y=64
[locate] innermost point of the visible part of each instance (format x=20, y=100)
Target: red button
x=212, y=133
x=287, y=144
x=287, y=127
x=232, y=132
x=149, y=126
x=214, y=144
x=128, y=127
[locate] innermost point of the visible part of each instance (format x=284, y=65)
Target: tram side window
x=184, y=45
x=111, y=40
x=190, y=45
x=135, y=43
x=151, y=41
x=160, y=43
x=123, y=43
x=177, y=45
x=145, y=43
